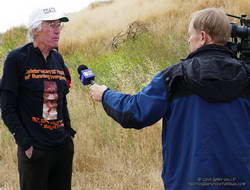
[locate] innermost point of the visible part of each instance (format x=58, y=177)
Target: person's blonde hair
x=214, y=22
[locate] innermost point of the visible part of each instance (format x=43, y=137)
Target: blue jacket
x=205, y=104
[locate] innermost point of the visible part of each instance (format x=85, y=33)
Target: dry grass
x=108, y=157
x=94, y=26
x=98, y=26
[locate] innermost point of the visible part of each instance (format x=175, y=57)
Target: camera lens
x=239, y=31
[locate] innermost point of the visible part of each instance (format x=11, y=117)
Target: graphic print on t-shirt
x=50, y=97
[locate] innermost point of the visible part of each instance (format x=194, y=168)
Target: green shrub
x=13, y=38
x=131, y=66
x=10, y=40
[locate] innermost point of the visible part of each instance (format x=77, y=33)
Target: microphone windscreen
x=81, y=67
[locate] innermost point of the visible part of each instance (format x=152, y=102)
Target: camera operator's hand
x=96, y=91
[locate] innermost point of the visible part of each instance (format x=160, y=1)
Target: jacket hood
x=214, y=73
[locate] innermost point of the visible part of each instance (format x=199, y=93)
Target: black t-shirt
x=34, y=105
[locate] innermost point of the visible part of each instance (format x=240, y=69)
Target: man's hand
x=29, y=152
x=96, y=91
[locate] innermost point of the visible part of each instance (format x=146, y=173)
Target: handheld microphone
x=86, y=75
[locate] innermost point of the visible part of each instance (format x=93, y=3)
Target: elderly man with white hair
x=34, y=107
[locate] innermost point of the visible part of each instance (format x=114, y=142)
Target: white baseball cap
x=48, y=13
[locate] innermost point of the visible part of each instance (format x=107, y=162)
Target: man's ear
x=205, y=38
x=35, y=32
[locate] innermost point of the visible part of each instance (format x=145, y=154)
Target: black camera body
x=240, y=44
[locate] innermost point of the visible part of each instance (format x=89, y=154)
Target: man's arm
x=135, y=111
x=12, y=121
x=9, y=93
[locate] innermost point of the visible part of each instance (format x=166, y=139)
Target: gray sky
x=16, y=12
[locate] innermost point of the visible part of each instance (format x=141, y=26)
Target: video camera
x=240, y=44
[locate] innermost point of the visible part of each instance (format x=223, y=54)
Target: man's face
x=49, y=34
x=194, y=38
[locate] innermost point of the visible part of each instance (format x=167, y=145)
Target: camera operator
x=205, y=104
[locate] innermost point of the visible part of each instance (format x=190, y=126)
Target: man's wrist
x=103, y=94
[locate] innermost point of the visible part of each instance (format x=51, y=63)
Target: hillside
x=164, y=16
x=108, y=157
